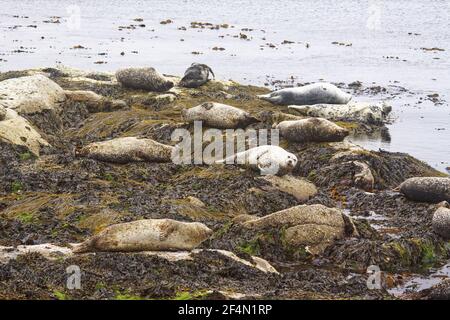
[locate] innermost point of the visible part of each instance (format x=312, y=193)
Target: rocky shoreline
x=51, y=194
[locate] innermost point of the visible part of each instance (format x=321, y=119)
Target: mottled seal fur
x=218, y=115
x=196, y=75
x=143, y=78
x=310, y=94
x=267, y=159
x=311, y=130
x=441, y=220
x=426, y=189
x=128, y=149
x=365, y=112
x=147, y=235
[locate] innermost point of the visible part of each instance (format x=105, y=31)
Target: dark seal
x=196, y=75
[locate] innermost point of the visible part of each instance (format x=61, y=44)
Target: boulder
x=300, y=188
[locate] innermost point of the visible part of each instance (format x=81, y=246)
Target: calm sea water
x=381, y=43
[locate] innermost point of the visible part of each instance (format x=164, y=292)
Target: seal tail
x=82, y=247
x=271, y=97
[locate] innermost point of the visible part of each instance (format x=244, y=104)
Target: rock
x=314, y=227
x=440, y=291
x=301, y=189
x=143, y=78
x=195, y=202
x=16, y=130
x=218, y=115
x=441, y=220
x=31, y=94
x=94, y=101
x=52, y=252
x=365, y=112
x=311, y=130
x=128, y=149
x=426, y=189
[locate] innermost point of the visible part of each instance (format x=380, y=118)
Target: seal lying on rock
x=426, y=189
x=268, y=159
x=143, y=78
x=128, y=149
x=441, y=220
x=310, y=94
x=94, y=101
x=196, y=75
x=147, y=235
x=219, y=115
x=311, y=130
x=31, y=94
x=16, y=130
x=314, y=226
x=364, y=112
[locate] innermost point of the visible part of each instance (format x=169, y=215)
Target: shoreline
x=61, y=198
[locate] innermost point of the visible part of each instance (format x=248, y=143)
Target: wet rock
x=196, y=75
x=311, y=130
x=426, y=189
x=143, y=78
x=147, y=235
x=301, y=189
x=307, y=95
x=441, y=220
x=218, y=115
x=370, y=113
x=16, y=130
x=31, y=94
x=128, y=149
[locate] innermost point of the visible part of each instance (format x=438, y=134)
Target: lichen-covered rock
x=16, y=130
x=311, y=130
x=128, y=149
x=441, y=220
x=301, y=189
x=365, y=112
x=143, y=78
x=31, y=94
x=218, y=115
x=426, y=189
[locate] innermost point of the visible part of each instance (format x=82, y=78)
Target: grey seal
x=426, y=189
x=310, y=94
x=196, y=75
x=143, y=78
x=218, y=115
x=147, y=235
x=311, y=130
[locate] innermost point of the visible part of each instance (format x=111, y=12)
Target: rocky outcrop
x=301, y=189
x=31, y=94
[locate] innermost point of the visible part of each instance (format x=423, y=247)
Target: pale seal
x=218, y=115
x=143, y=78
x=147, y=235
x=311, y=130
x=426, y=189
x=196, y=75
x=441, y=220
x=267, y=159
x=365, y=112
x=128, y=149
x=310, y=94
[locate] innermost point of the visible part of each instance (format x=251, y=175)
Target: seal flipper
x=82, y=247
x=210, y=70
x=165, y=230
